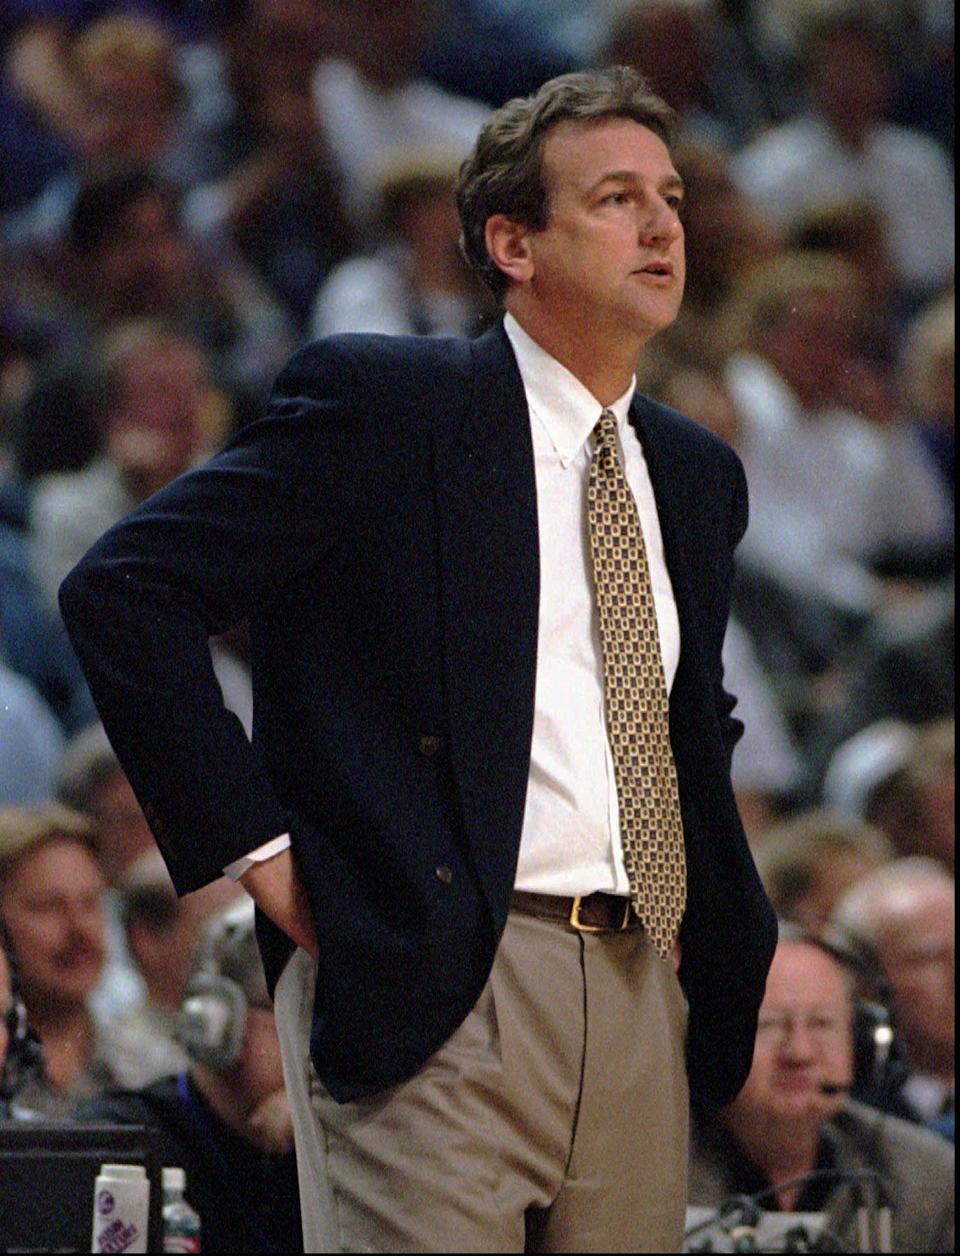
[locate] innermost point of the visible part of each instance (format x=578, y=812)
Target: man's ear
x=509, y=245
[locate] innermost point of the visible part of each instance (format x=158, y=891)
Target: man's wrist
x=268, y=850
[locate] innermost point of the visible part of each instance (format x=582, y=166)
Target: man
x=784, y=1125
x=905, y=913
x=51, y=904
x=496, y=1041
x=224, y=1118
x=155, y=390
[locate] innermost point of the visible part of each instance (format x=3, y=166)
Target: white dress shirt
x=570, y=842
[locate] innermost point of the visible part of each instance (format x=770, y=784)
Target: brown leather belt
x=589, y=913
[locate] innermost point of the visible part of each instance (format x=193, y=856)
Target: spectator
x=809, y=861
x=862, y=768
x=674, y=45
x=121, y=101
x=225, y=1119
x=272, y=188
x=51, y=904
x=901, y=778
x=904, y=912
x=371, y=102
x=417, y=282
x=152, y=417
x=827, y=490
x=725, y=236
x=783, y=1126
x=855, y=231
x=128, y=255
x=840, y=149
x=901, y=667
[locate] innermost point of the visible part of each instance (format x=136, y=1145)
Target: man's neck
x=781, y=1152
x=67, y=1036
x=605, y=365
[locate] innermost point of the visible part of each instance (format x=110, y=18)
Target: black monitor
x=47, y=1175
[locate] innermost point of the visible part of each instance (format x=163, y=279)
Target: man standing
x=474, y=571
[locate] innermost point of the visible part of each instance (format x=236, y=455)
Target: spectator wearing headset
x=225, y=1119
x=793, y=1137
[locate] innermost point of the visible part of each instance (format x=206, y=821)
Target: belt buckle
x=581, y=927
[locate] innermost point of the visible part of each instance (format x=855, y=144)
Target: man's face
x=155, y=427
x=611, y=256
x=146, y=266
x=52, y=905
x=804, y=1039
x=917, y=949
x=131, y=113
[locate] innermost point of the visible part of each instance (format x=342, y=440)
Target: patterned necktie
x=651, y=831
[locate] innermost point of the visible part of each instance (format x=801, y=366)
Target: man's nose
x=660, y=222
x=798, y=1043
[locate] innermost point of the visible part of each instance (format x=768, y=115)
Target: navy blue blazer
x=378, y=529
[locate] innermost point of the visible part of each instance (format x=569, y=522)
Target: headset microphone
x=836, y=1088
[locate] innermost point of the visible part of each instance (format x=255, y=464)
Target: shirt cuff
x=236, y=869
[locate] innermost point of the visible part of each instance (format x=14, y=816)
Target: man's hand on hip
x=276, y=888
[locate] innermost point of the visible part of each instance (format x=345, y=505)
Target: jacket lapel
x=489, y=574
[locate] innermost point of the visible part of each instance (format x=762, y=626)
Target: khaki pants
x=555, y=1118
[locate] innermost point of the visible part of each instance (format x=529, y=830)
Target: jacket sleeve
x=191, y=561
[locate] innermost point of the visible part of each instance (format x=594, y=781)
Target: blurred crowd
x=190, y=190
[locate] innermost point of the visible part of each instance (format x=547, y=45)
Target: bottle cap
x=130, y=1171
x=173, y=1179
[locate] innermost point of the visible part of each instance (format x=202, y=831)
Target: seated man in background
x=904, y=913
x=51, y=905
x=791, y=1120
x=225, y=1120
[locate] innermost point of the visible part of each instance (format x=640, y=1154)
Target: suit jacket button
x=429, y=745
x=444, y=874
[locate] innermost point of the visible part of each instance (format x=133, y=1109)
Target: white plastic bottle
x=121, y=1208
x=181, y=1225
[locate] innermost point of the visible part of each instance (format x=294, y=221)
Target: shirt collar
x=566, y=408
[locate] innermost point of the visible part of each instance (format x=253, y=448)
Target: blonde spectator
x=809, y=861
x=51, y=905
